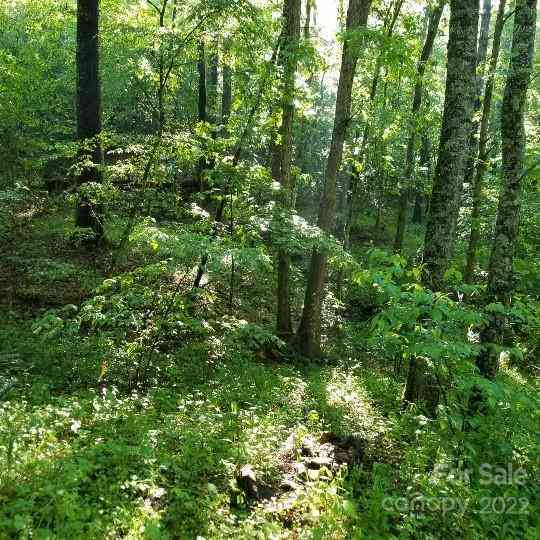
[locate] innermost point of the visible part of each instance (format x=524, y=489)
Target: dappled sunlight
x=516, y=378
x=345, y=391
x=258, y=262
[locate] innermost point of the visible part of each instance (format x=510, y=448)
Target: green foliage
x=12, y=201
x=131, y=401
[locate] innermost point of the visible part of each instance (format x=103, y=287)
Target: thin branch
x=162, y=14
x=186, y=38
x=155, y=6
x=508, y=15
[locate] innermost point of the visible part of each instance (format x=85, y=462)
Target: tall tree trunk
x=202, y=94
x=500, y=282
x=302, y=144
x=226, y=97
x=410, y=153
x=213, y=97
x=309, y=332
x=283, y=152
x=483, y=42
x=483, y=157
x=307, y=21
x=161, y=68
x=202, y=104
x=88, y=110
x=455, y=130
x=450, y=170
x=213, y=77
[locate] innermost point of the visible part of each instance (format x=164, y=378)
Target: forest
x=270, y=269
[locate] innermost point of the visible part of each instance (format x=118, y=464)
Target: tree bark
x=410, y=153
x=455, y=130
x=283, y=152
x=425, y=163
x=309, y=331
x=422, y=386
x=302, y=144
x=88, y=110
x=213, y=77
x=483, y=157
x=202, y=95
x=500, y=280
x=483, y=42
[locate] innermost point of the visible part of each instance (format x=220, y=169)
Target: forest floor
x=234, y=444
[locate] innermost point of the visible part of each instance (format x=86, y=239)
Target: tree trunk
x=309, y=332
x=425, y=163
x=89, y=110
x=390, y=25
x=302, y=143
x=307, y=21
x=500, y=282
x=483, y=42
x=422, y=386
x=410, y=153
x=455, y=130
x=226, y=97
x=202, y=113
x=418, y=209
x=283, y=152
x=202, y=95
x=213, y=77
x=161, y=68
x=482, y=162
